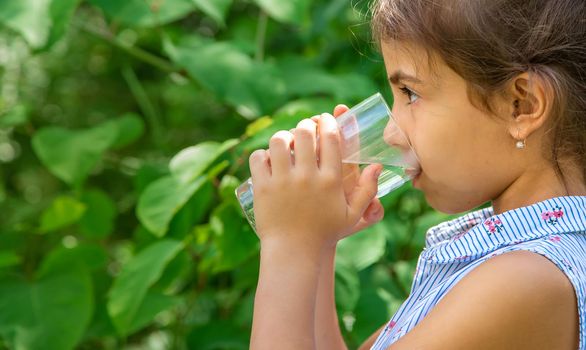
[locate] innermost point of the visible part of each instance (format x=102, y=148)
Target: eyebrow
x=398, y=76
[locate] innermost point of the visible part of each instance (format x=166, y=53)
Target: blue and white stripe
x=454, y=248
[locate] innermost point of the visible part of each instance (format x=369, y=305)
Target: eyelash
x=408, y=93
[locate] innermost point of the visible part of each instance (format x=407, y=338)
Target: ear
x=530, y=105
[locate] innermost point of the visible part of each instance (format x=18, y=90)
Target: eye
x=410, y=95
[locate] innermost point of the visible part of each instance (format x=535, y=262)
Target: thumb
x=365, y=190
x=339, y=110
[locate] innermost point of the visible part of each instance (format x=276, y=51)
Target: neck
x=537, y=185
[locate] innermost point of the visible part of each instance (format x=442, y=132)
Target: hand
x=303, y=201
x=351, y=174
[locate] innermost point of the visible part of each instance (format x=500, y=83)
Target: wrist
x=296, y=248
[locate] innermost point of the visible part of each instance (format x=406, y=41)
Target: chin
x=447, y=204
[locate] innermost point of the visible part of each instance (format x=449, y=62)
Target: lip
x=414, y=180
x=412, y=172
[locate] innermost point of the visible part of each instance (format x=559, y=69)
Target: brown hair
x=489, y=42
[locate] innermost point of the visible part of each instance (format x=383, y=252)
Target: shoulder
x=517, y=300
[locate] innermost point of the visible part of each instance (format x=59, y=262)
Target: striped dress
x=554, y=228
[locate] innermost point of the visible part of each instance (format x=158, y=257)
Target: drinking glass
x=368, y=134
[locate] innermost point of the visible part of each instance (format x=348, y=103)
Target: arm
x=294, y=230
x=285, y=297
x=327, y=330
x=517, y=300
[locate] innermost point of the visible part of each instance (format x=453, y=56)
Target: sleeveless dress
x=554, y=228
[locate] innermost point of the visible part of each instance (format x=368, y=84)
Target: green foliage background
x=125, y=127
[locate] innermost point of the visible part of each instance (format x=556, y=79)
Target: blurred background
x=125, y=127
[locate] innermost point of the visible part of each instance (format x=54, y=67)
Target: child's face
x=467, y=157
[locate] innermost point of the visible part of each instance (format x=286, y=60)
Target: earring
x=520, y=143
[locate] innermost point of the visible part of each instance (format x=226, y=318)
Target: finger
x=330, y=155
x=305, y=145
x=365, y=191
x=374, y=212
x=280, y=151
x=315, y=119
x=349, y=135
x=369, y=219
x=259, y=167
x=339, y=110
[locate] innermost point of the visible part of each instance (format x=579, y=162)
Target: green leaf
x=305, y=107
x=258, y=89
x=258, y=125
x=296, y=72
x=30, y=18
x=61, y=12
x=8, y=258
x=347, y=286
x=370, y=312
x=218, y=334
x=152, y=305
x=148, y=173
x=16, y=116
x=92, y=256
x=233, y=238
x=129, y=127
x=130, y=287
x=193, y=212
x=261, y=138
x=162, y=199
x=228, y=186
x=405, y=272
x=145, y=13
x=363, y=248
x=49, y=313
x=98, y=219
x=40, y=22
x=216, y=9
x=285, y=11
x=191, y=162
x=62, y=212
x=71, y=155
x=174, y=274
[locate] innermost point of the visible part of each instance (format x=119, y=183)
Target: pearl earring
x=520, y=144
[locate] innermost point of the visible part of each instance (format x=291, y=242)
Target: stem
x=144, y=102
x=137, y=52
x=261, y=31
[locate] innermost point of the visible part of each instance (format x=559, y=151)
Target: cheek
x=449, y=150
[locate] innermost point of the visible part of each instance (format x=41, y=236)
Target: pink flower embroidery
x=493, y=225
x=551, y=217
x=555, y=239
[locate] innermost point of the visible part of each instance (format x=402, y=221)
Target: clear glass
x=369, y=134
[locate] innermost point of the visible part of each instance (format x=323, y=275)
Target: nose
x=394, y=136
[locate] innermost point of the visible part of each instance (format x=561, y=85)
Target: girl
x=492, y=96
